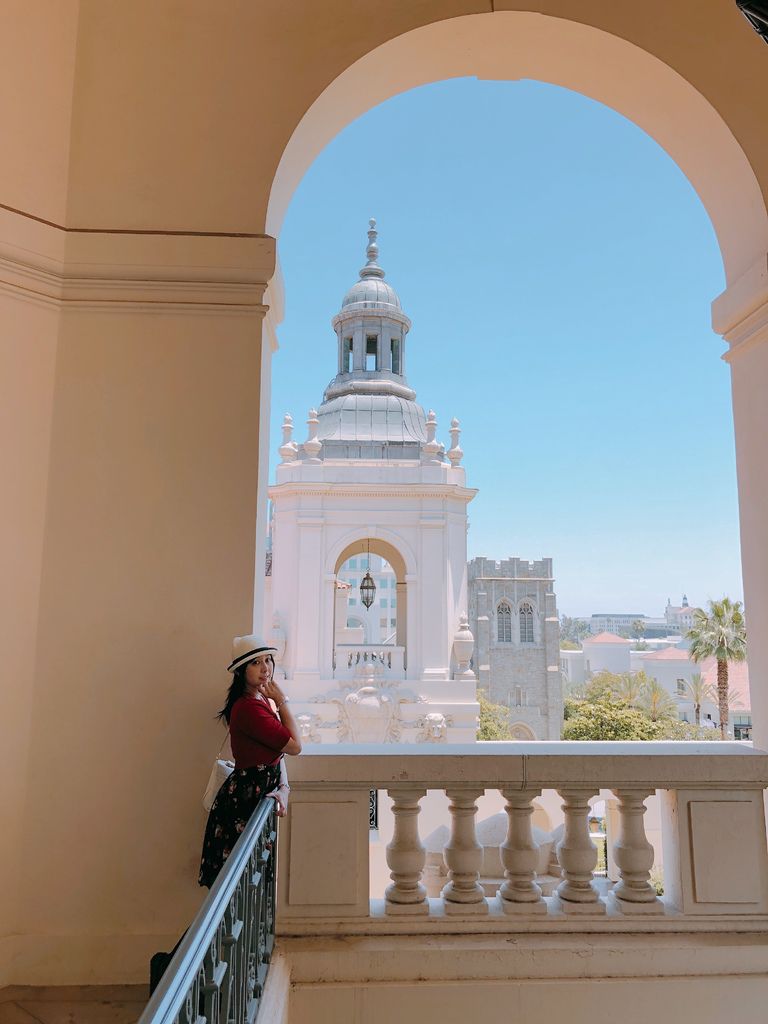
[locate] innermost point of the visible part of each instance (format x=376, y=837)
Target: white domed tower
x=369, y=529
x=368, y=406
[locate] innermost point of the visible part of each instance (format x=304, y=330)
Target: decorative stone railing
x=713, y=829
x=361, y=661
x=217, y=974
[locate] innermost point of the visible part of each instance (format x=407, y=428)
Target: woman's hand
x=280, y=796
x=272, y=691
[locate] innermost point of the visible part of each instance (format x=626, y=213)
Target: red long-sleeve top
x=256, y=733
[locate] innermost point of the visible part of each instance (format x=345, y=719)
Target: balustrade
x=712, y=814
x=354, y=660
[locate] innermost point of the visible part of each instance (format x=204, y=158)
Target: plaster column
x=741, y=315
x=149, y=571
x=313, y=594
x=634, y=894
x=464, y=856
x=435, y=636
x=519, y=853
x=406, y=856
x=328, y=626
x=401, y=616
x=577, y=855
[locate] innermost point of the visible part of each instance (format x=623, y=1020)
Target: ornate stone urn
x=463, y=645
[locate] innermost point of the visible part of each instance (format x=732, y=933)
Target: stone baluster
x=577, y=855
x=463, y=894
x=406, y=856
x=519, y=893
x=633, y=893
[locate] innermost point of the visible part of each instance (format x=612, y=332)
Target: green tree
x=573, y=629
x=698, y=691
x=569, y=645
x=654, y=700
x=494, y=720
x=720, y=633
x=631, y=686
x=602, y=684
x=606, y=718
x=677, y=730
x=638, y=628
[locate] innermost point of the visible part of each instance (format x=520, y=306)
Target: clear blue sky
x=558, y=269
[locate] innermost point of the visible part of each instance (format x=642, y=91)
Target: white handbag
x=220, y=772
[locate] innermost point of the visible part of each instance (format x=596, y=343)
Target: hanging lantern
x=367, y=586
x=367, y=590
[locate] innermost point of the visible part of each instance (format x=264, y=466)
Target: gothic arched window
x=504, y=623
x=526, y=623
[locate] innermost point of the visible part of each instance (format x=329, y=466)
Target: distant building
x=614, y=622
x=513, y=616
x=670, y=665
x=679, y=617
x=677, y=620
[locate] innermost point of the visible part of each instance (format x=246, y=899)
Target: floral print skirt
x=235, y=802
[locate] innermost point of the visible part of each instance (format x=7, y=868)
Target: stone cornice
x=740, y=314
x=348, y=490
x=146, y=271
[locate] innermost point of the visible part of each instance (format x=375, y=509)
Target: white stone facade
x=371, y=481
x=513, y=615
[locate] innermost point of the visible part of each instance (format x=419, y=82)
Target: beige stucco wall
x=132, y=379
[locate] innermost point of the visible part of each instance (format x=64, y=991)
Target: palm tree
x=720, y=634
x=631, y=686
x=698, y=691
x=656, y=702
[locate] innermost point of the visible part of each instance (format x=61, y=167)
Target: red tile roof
x=667, y=654
x=606, y=638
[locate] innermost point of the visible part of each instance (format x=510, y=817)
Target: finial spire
x=372, y=268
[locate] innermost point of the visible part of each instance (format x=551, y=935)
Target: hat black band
x=249, y=656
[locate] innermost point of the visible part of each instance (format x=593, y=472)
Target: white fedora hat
x=246, y=648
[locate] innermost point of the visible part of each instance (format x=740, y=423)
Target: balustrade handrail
x=663, y=764
x=710, y=799
x=175, y=1000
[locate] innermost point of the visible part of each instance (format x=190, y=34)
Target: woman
x=259, y=736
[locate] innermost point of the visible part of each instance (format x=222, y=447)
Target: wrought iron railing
x=217, y=975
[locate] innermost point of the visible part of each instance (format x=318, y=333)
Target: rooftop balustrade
x=713, y=834
x=357, y=661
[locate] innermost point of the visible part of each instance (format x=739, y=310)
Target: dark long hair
x=237, y=690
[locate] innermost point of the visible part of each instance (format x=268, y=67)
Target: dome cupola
x=368, y=408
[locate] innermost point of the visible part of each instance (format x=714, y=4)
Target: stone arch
x=657, y=88
x=389, y=548
x=594, y=62
x=521, y=731
x=384, y=543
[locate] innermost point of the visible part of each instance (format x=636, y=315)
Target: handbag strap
x=226, y=737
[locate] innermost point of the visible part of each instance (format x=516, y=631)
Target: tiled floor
x=90, y=1004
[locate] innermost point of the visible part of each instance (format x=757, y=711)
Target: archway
x=640, y=86
x=605, y=67
x=387, y=564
